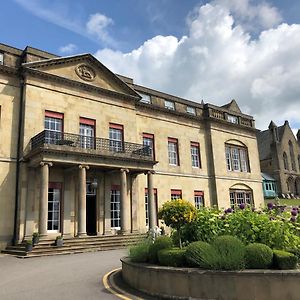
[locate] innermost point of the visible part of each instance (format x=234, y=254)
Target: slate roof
x=264, y=140
x=267, y=177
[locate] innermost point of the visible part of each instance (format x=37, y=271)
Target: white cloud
x=97, y=26
x=219, y=60
x=60, y=14
x=68, y=49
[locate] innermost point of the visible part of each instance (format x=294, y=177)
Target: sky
x=215, y=51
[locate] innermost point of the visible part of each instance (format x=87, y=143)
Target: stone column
x=134, y=203
x=43, y=209
x=151, y=203
x=124, y=204
x=82, y=200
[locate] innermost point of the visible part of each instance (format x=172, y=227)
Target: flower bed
x=187, y=283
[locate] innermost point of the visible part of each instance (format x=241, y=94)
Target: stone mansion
x=85, y=151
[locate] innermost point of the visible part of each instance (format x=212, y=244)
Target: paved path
x=77, y=276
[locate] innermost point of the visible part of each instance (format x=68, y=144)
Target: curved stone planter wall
x=186, y=283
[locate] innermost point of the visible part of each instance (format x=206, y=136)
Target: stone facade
x=279, y=152
x=94, y=163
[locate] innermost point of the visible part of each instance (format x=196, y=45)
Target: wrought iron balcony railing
x=100, y=146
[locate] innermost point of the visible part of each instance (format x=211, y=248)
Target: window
x=238, y=197
x=232, y=119
x=1, y=58
x=54, y=196
x=115, y=137
x=285, y=161
x=199, y=199
x=147, y=205
x=173, y=152
x=169, y=105
x=298, y=161
x=115, y=207
x=145, y=98
x=148, y=140
x=87, y=133
x=236, y=158
x=176, y=194
x=191, y=110
x=53, y=127
x=292, y=156
x=195, y=155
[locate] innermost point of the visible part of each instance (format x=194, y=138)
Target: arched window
x=292, y=156
x=299, y=162
x=285, y=161
x=237, y=159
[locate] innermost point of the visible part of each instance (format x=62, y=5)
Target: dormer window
x=169, y=105
x=191, y=110
x=232, y=119
x=1, y=58
x=145, y=98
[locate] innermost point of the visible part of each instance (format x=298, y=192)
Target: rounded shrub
x=201, y=254
x=230, y=253
x=258, y=256
x=140, y=252
x=284, y=260
x=174, y=257
x=162, y=242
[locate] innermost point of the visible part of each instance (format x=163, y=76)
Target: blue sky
x=212, y=50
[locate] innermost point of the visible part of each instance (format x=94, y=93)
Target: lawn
x=288, y=202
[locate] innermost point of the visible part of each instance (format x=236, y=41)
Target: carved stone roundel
x=85, y=72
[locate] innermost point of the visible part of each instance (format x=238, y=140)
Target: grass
x=288, y=202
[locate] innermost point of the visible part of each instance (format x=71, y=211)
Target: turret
x=274, y=130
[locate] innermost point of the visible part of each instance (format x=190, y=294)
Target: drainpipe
x=15, y=235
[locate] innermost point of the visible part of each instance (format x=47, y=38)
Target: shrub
x=201, y=254
x=140, y=252
x=284, y=260
x=162, y=242
x=176, y=214
x=258, y=256
x=174, y=257
x=230, y=253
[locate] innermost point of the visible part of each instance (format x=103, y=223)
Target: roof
x=267, y=177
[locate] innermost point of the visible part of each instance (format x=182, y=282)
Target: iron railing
x=98, y=146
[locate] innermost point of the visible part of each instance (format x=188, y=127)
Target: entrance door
x=91, y=210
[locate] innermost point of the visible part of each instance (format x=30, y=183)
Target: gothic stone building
x=86, y=151
x=279, y=153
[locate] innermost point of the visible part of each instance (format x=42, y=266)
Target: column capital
x=83, y=167
x=150, y=172
x=124, y=170
x=43, y=163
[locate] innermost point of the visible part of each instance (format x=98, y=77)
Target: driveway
x=77, y=276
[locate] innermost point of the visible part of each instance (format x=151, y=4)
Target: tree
x=176, y=214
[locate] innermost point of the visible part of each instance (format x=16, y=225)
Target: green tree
x=176, y=214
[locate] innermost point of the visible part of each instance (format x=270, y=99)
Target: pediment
x=85, y=69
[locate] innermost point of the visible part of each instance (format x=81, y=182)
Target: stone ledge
x=187, y=283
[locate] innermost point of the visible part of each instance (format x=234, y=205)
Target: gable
x=85, y=69
x=233, y=106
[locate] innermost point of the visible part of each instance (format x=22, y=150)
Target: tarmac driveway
x=77, y=276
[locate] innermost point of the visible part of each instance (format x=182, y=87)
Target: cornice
x=77, y=84
x=8, y=70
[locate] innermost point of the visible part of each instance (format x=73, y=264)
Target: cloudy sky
x=212, y=50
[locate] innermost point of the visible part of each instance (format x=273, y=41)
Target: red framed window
x=176, y=194
x=199, y=199
x=87, y=129
x=173, y=151
x=148, y=140
x=195, y=155
x=116, y=137
x=54, y=122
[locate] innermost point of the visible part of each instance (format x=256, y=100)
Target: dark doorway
x=91, y=216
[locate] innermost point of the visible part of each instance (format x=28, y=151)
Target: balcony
x=85, y=145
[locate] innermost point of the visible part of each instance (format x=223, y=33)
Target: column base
x=43, y=237
x=82, y=234
x=123, y=232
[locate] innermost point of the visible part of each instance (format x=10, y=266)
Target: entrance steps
x=76, y=245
